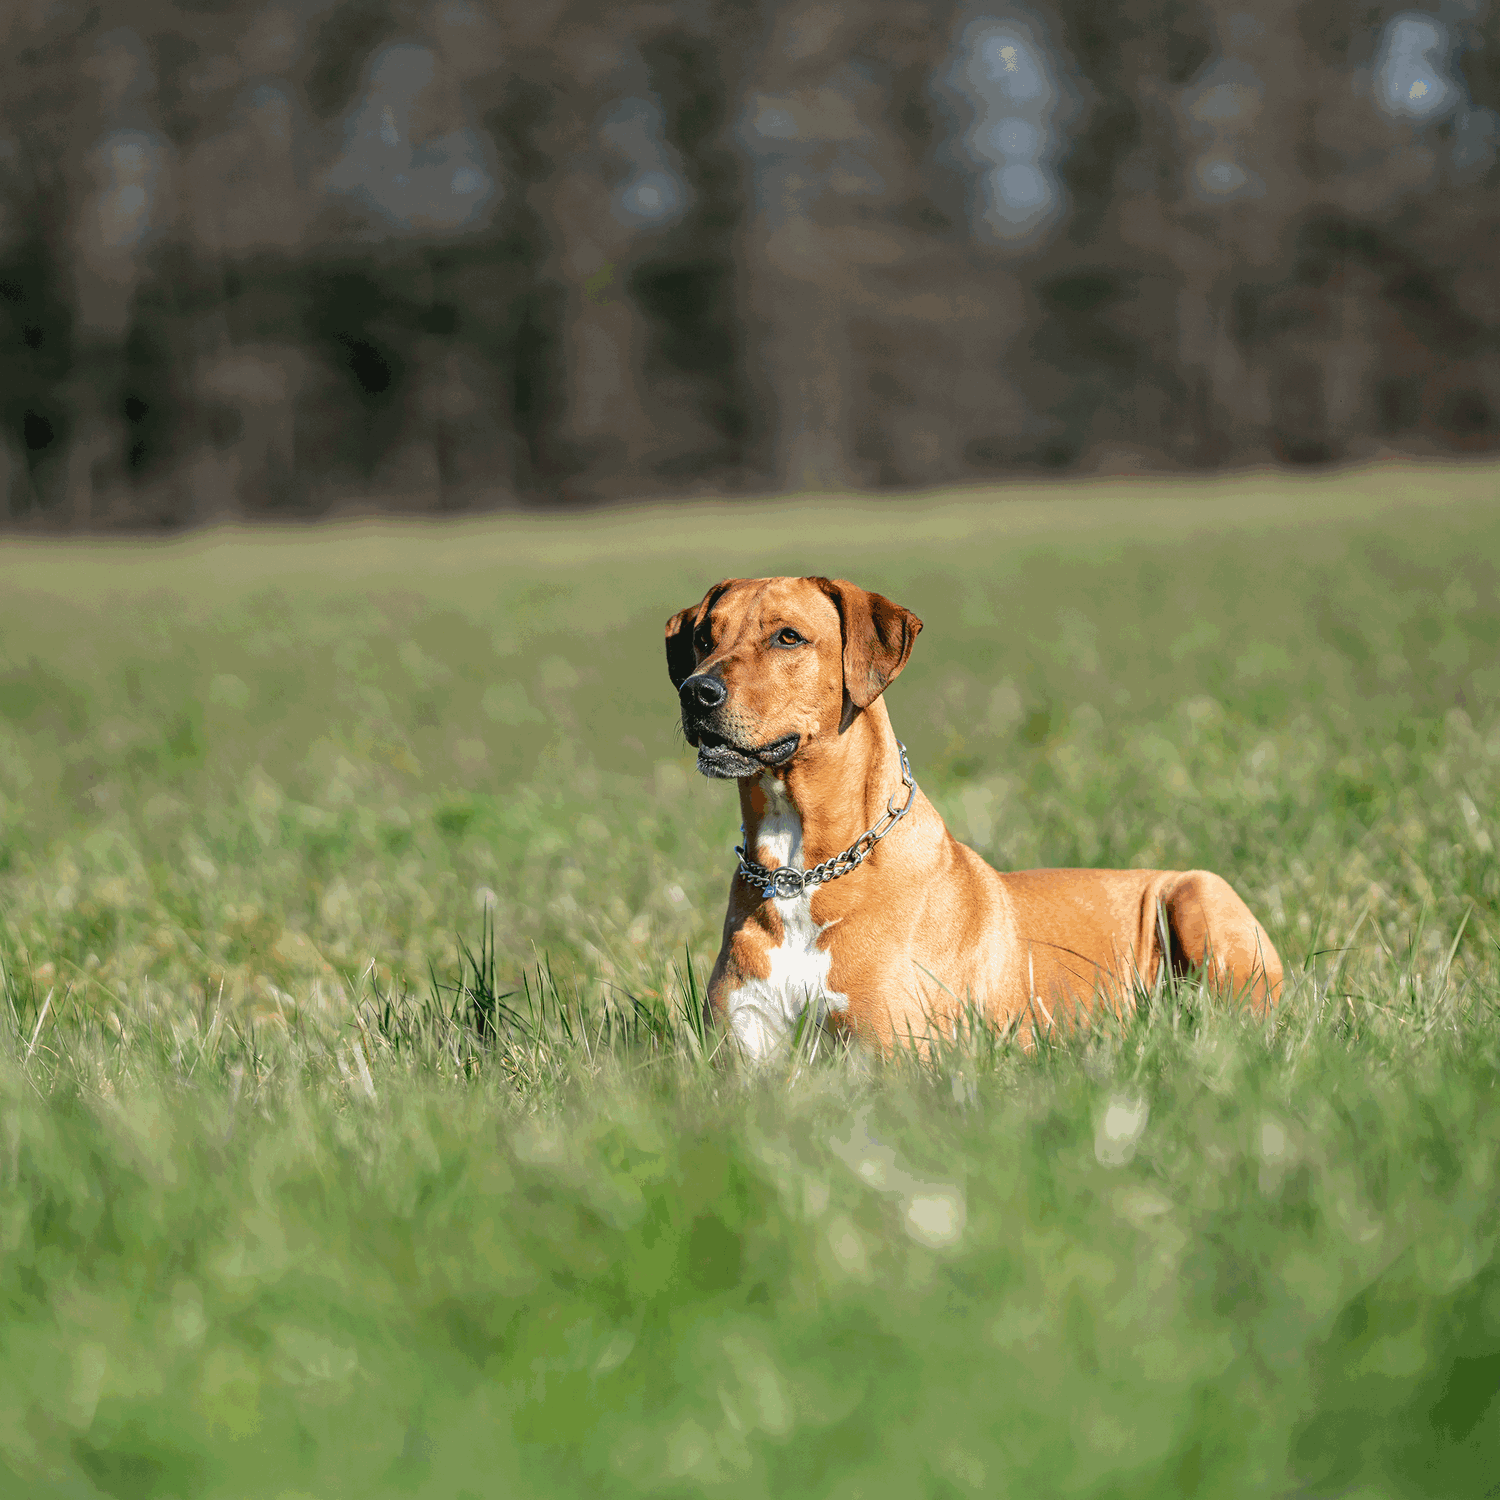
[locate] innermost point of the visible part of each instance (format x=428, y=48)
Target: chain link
x=785, y=882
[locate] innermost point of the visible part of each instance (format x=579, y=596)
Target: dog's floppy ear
x=680, y=658
x=878, y=637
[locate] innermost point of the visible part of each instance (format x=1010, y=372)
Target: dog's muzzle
x=711, y=728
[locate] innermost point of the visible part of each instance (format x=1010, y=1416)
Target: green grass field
x=357, y=1138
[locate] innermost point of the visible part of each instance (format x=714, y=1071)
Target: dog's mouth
x=717, y=757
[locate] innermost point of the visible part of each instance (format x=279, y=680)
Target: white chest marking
x=762, y=1012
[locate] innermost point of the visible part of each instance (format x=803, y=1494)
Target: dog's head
x=765, y=667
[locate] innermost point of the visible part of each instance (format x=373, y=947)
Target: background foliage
x=279, y=259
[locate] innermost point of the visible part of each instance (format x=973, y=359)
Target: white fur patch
x=762, y=1012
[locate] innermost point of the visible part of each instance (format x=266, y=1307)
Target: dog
x=852, y=903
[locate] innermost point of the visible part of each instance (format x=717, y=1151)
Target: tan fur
x=924, y=926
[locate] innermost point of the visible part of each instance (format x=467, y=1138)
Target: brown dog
x=780, y=682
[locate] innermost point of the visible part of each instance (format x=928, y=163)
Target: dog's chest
x=763, y=1011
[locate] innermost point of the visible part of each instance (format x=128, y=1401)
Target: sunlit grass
x=361, y=1134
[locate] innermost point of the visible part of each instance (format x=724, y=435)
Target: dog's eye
x=786, y=636
x=703, y=639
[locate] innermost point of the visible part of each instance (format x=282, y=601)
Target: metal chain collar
x=785, y=882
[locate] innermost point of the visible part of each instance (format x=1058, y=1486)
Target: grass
x=360, y=1137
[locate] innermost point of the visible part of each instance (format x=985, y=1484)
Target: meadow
x=359, y=1135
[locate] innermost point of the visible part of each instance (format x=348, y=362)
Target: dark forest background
x=262, y=259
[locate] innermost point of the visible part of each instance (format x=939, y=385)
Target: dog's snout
x=702, y=693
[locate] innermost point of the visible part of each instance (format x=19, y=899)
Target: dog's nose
x=702, y=693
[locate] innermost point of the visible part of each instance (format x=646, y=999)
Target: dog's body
x=780, y=682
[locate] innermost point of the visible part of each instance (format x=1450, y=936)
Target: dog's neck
x=830, y=793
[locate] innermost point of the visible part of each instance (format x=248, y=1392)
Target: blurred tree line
x=278, y=259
